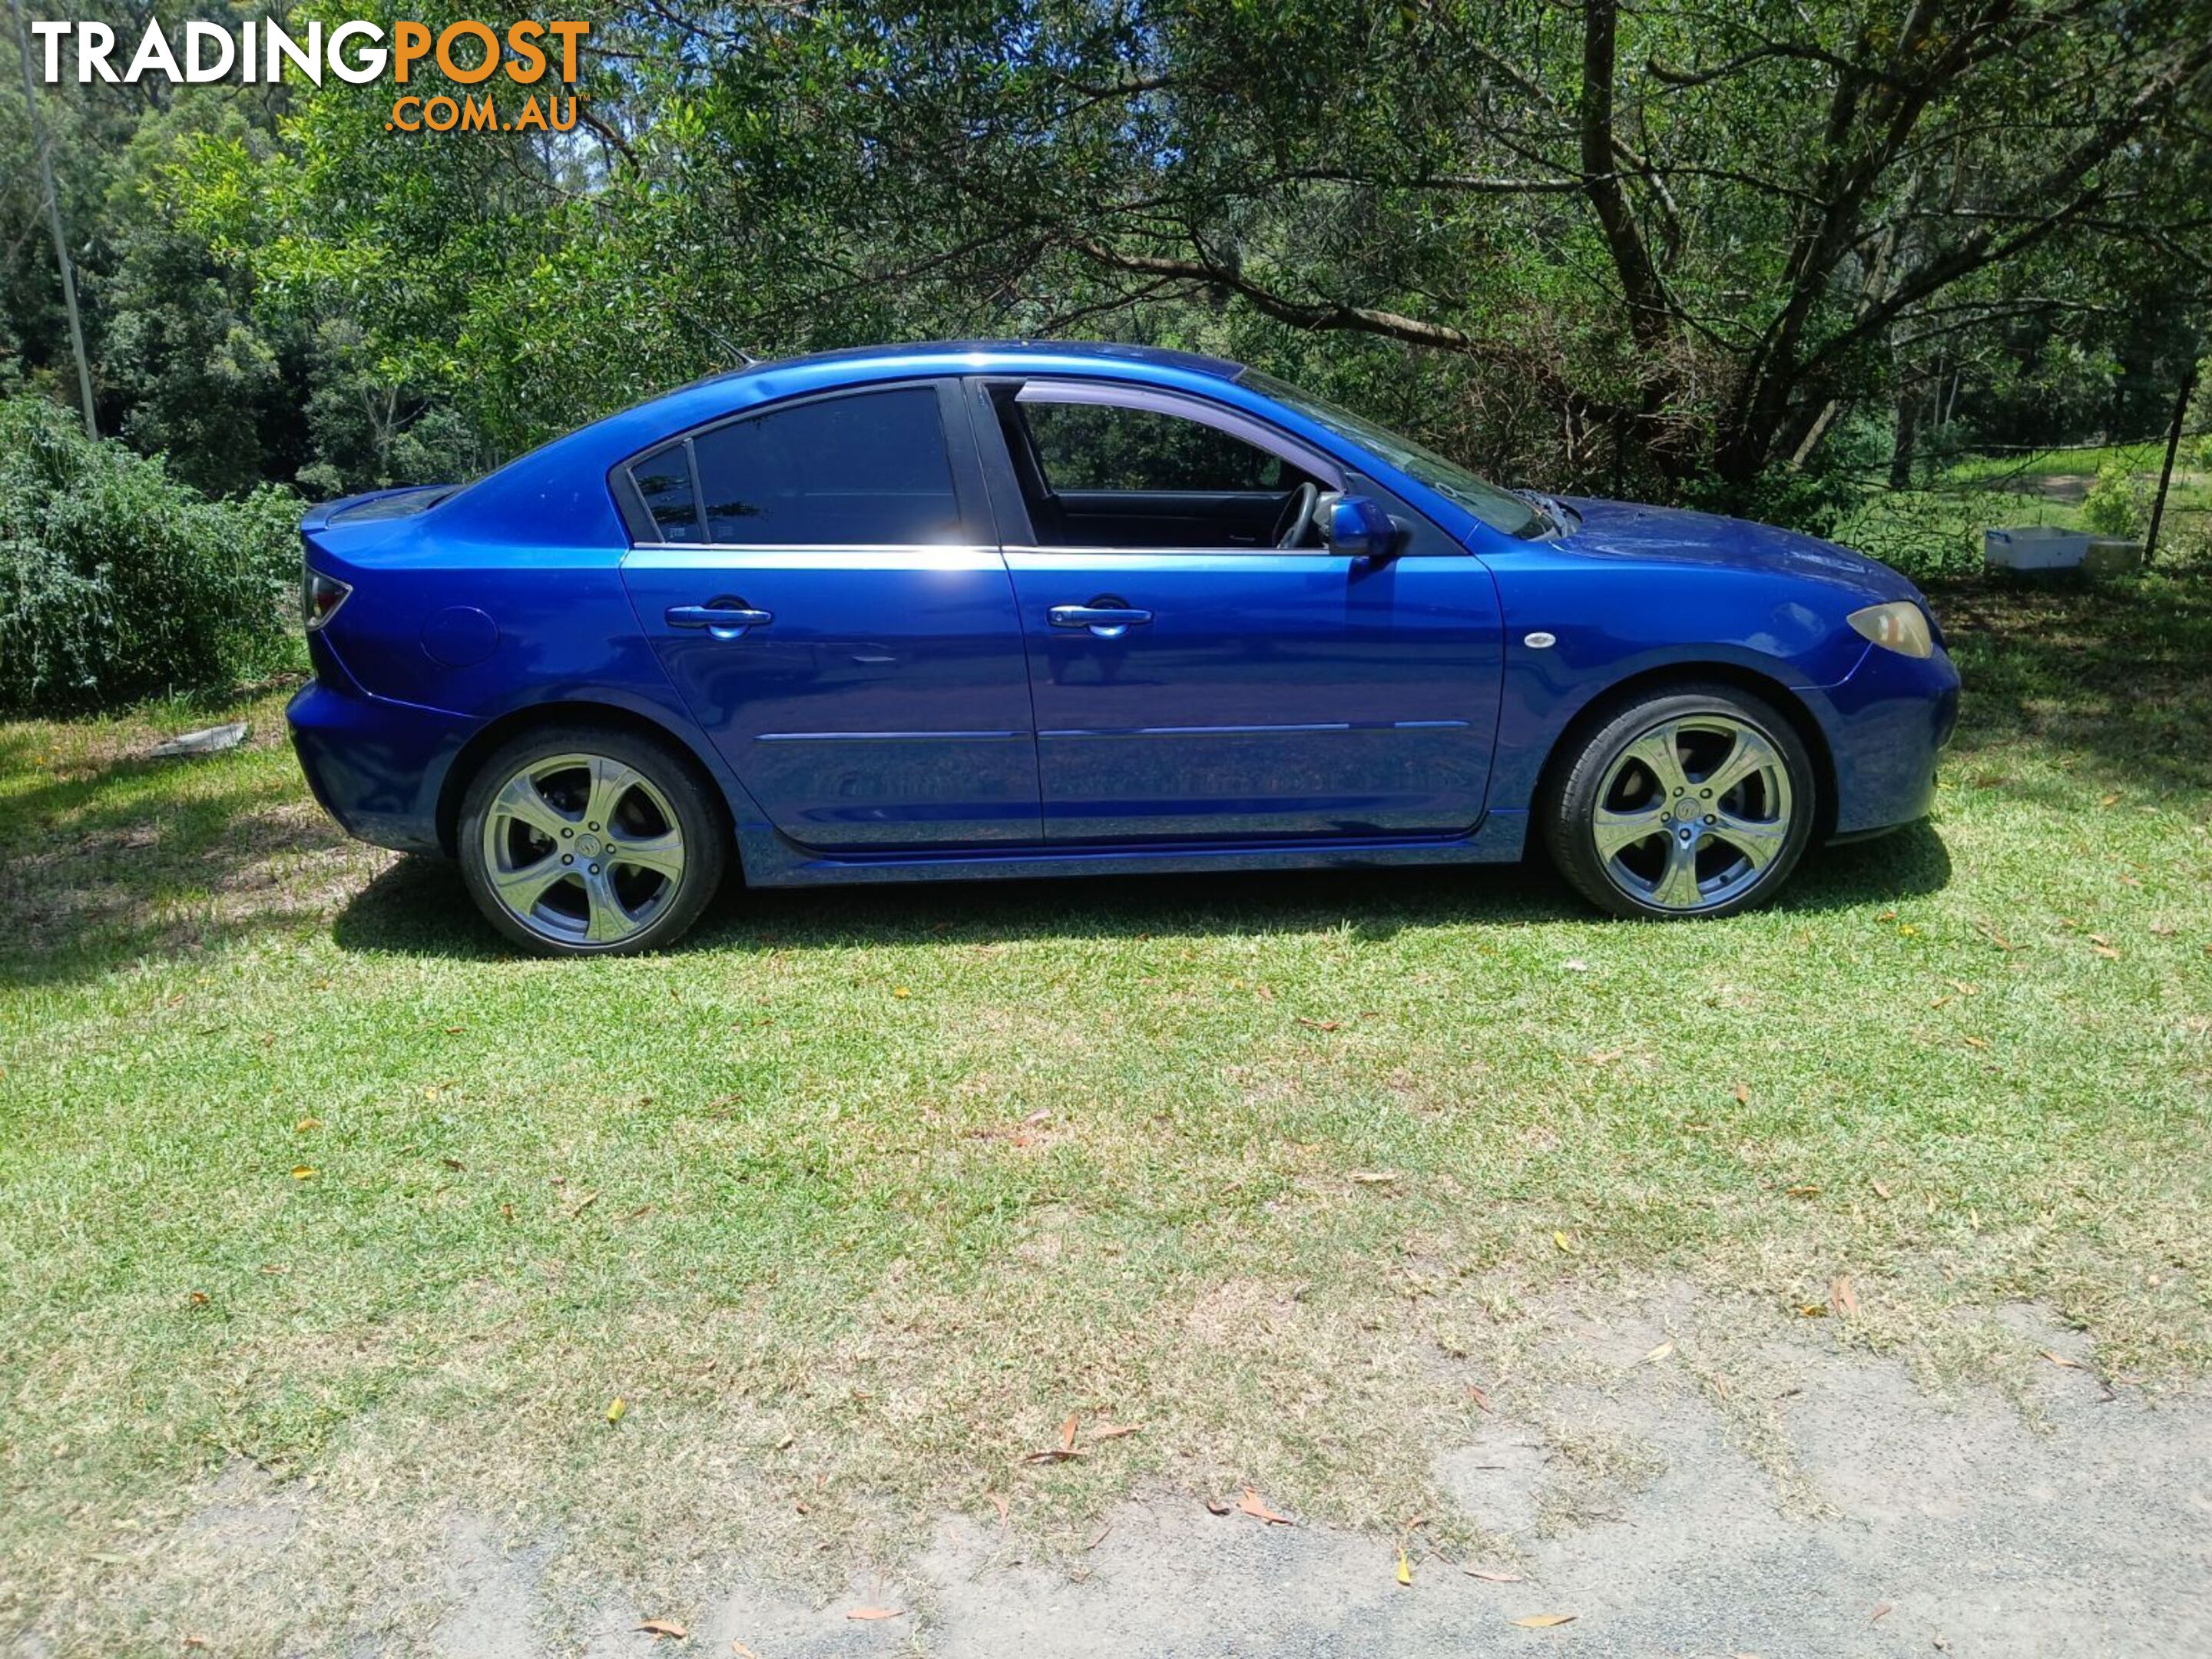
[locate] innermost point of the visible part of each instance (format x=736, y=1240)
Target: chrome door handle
x=723, y=620
x=1106, y=622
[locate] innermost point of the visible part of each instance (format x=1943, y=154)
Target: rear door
x=1206, y=683
x=821, y=582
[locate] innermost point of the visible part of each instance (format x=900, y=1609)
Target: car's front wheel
x=1694, y=801
x=589, y=841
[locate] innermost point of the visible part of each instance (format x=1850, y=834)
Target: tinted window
x=842, y=470
x=664, y=478
x=1098, y=447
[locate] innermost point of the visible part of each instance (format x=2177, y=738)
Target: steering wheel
x=1297, y=515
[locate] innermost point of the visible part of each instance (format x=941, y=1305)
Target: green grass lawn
x=854, y=1197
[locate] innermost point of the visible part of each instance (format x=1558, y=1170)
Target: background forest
x=1814, y=261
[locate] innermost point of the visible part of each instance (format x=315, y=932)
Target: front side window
x=863, y=470
x=1101, y=447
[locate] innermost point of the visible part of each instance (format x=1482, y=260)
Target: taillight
x=320, y=596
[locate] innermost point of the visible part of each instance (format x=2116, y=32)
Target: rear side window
x=871, y=468
x=663, y=479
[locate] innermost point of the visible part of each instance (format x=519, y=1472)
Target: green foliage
x=117, y=582
x=2114, y=505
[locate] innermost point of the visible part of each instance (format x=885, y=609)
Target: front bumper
x=1886, y=723
x=375, y=765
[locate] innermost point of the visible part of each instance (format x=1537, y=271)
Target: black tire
x=578, y=913
x=1643, y=878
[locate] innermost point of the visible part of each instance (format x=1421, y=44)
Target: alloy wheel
x=582, y=849
x=1691, y=812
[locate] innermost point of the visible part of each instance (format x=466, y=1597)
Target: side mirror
x=1356, y=527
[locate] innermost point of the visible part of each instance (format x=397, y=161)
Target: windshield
x=1493, y=506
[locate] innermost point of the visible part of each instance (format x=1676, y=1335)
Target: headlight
x=1899, y=626
x=320, y=596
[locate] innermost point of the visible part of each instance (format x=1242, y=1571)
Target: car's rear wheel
x=589, y=841
x=1694, y=801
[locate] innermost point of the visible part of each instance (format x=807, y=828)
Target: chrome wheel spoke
x=1758, y=839
x=611, y=781
x=521, y=801
x=1677, y=886
x=1613, y=831
x=1658, y=752
x=662, y=855
x=522, y=889
x=1751, y=754
x=607, y=920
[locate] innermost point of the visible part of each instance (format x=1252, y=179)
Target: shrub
x=2113, y=505
x=117, y=582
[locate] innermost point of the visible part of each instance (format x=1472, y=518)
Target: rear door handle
x=1107, y=622
x=724, y=621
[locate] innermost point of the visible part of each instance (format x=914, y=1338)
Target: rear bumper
x=375, y=766
x=1886, y=724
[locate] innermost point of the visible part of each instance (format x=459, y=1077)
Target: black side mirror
x=1356, y=527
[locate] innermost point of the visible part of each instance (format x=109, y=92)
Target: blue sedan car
x=1019, y=609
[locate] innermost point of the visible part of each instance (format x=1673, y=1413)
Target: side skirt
x=771, y=859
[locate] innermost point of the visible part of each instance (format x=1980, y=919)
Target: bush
x=117, y=582
x=2114, y=506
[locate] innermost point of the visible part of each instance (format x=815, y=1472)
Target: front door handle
x=726, y=620
x=1106, y=619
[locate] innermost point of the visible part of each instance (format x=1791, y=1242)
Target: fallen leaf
x=2106, y=951
x=1811, y=1310
x=303, y=1172
x=1068, y=1434
x=1566, y=1244
x=1843, y=1295
x=1605, y=1056
x=1259, y=1511
x=664, y=1627
x=195, y=1641
x=305, y=1124
x=1803, y=1190
x=1480, y=1399
x=1879, y=1609
x=1545, y=1621
x=1976, y=1042
x=877, y=1613
x=1405, y=1568
x=741, y=1651
x=1052, y=1455
x=1879, y=1191
x=1319, y=1024
x=1659, y=1352
x=1964, y=987
x=1115, y=1430
x=452, y=1163
x=2109, y=800
x=1215, y=1506
x=999, y=1502
x=1743, y=1094
x=200, y=1298
x=615, y=1408
x=1492, y=1575
x=2061, y=1359
x=582, y=1205
x=1374, y=1178
x=899, y=991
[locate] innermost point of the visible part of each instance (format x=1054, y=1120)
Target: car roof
x=986, y=354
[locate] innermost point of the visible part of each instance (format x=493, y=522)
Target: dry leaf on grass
x=615, y=1408
x=1879, y=1191
x=1319, y=1024
x=1480, y=1399
x=740, y=1650
x=1215, y=1506
x=877, y=1613
x=1493, y=1575
x=1259, y=1511
x=1068, y=1434
x=1842, y=1296
x=2061, y=1359
x=1743, y=1094
x=999, y=1502
x=1405, y=1568
x=1115, y=1430
x=1545, y=1621
x=1659, y=1352
x=303, y=1172
x=664, y=1627
x=1566, y=1245
x=1374, y=1178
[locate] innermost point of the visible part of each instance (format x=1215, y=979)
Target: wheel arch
x=468, y=759
x=1665, y=677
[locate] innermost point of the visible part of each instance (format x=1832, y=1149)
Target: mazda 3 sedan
x=1020, y=609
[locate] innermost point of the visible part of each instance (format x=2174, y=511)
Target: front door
x=1210, y=683
x=825, y=593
